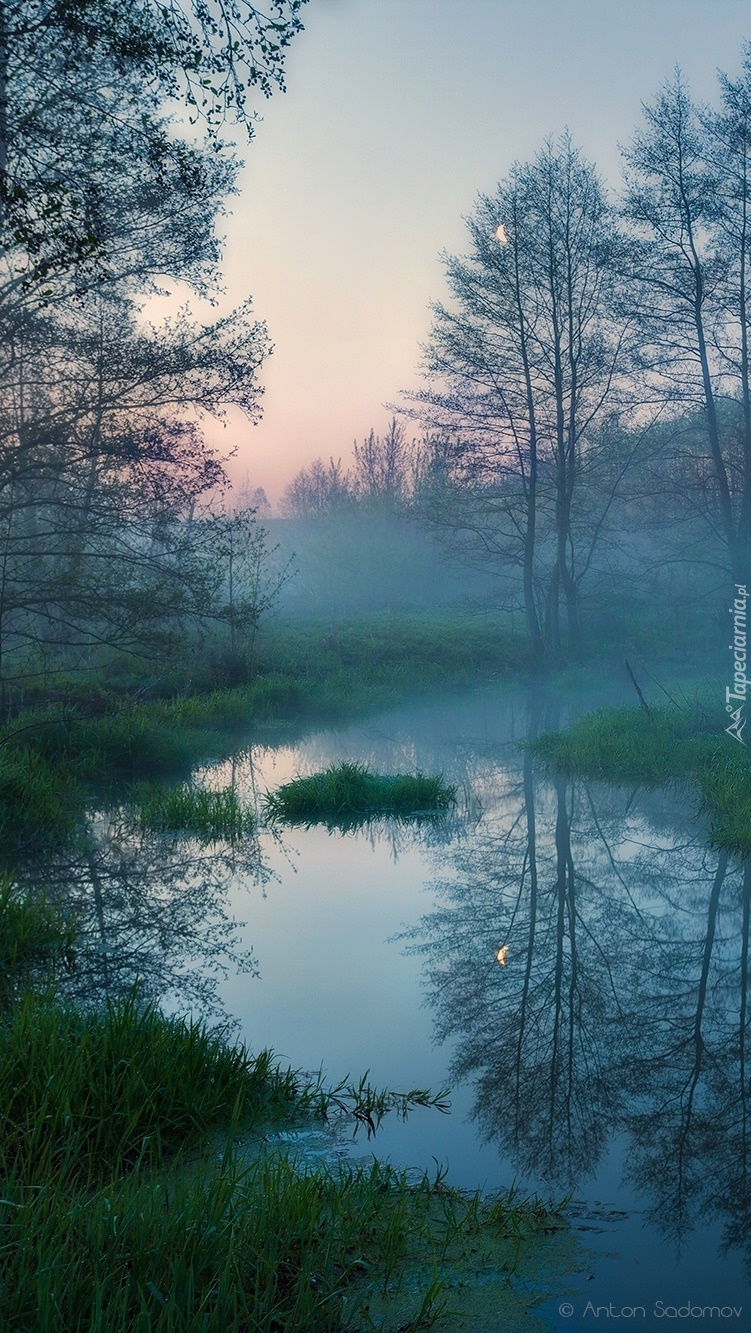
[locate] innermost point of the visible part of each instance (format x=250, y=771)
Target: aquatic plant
x=189, y=809
x=346, y=791
x=261, y=1246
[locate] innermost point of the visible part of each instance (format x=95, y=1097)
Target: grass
x=37, y=803
x=407, y=649
x=36, y=940
x=668, y=745
x=85, y=1096
x=207, y=814
x=114, y=1215
x=347, y=792
x=80, y=732
x=260, y=1247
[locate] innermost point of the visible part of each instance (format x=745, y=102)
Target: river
x=570, y=958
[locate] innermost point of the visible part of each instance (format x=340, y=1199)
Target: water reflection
x=585, y=953
x=150, y=908
x=621, y=1005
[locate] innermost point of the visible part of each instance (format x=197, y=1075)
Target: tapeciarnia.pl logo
x=737, y=695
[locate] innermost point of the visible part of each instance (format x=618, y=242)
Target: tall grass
x=36, y=940
x=87, y=1095
x=189, y=809
x=261, y=1248
x=349, y=791
x=97, y=748
x=107, y=1224
x=37, y=802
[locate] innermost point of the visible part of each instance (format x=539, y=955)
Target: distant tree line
x=585, y=424
x=384, y=474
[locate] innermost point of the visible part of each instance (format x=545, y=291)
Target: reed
x=209, y=815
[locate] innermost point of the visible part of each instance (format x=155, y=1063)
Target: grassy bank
x=345, y=793
x=667, y=745
x=88, y=731
x=116, y=1213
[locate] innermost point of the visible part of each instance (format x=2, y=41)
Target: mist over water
x=603, y=1059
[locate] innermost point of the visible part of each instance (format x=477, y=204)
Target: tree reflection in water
x=593, y=969
x=150, y=908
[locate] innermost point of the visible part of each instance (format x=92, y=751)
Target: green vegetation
x=118, y=1211
x=663, y=746
x=345, y=792
x=190, y=809
x=37, y=804
x=36, y=940
x=86, y=733
x=88, y=1095
x=408, y=651
x=259, y=1247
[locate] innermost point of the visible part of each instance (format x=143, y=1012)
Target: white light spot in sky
x=500, y=234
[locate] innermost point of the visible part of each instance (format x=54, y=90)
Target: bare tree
x=525, y=364
x=687, y=198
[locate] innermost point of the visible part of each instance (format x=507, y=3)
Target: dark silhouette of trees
x=103, y=201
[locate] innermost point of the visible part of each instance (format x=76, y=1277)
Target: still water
x=570, y=958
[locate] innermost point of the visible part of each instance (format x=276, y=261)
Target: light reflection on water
x=607, y=1057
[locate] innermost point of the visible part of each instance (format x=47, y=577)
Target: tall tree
x=67, y=70
x=525, y=363
x=687, y=198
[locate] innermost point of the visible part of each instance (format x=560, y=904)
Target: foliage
x=247, y=587
x=382, y=477
x=48, y=752
x=525, y=362
x=88, y=1095
x=36, y=939
x=106, y=1220
x=37, y=802
x=103, y=202
x=261, y=1246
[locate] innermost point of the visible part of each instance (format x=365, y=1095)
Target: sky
x=397, y=114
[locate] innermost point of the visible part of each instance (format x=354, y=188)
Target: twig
x=635, y=684
x=46, y=722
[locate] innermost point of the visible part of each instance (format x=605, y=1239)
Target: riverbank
x=117, y=728
x=128, y=1201
x=666, y=746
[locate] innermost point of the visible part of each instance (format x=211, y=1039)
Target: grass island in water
x=350, y=792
